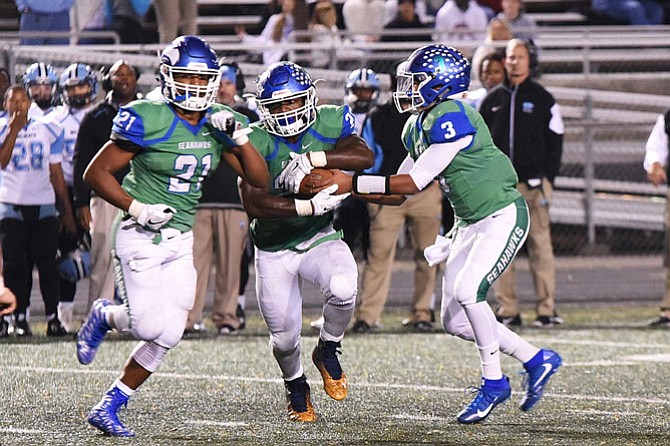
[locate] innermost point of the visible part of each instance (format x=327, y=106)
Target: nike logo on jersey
x=547, y=369
x=206, y=133
x=305, y=147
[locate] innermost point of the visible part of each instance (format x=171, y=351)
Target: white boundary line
x=383, y=386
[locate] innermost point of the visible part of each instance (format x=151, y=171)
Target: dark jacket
x=537, y=147
x=382, y=131
x=94, y=131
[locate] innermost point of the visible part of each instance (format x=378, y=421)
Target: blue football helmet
x=40, y=73
x=282, y=82
x=189, y=55
x=430, y=75
x=78, y=74
x=361, y=78
x=75, y=265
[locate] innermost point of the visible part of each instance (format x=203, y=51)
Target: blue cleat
x=92, y=333
x=104, y=415
x=488, y=397
x=536, y=378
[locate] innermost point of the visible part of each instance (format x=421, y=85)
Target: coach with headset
x=94, y=213
x=526, y=124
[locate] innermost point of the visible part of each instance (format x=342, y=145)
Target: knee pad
x=284, y=343
x=149, y=355
x=344, y=287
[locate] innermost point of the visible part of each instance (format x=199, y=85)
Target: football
x=317, y=180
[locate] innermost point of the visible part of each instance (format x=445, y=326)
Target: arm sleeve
x=657, y=145
x=435, y=159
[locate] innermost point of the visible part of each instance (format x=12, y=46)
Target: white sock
x=241, y=300
x=123, y=388
x=117, y=317
x=514, y=345
x=484, y=328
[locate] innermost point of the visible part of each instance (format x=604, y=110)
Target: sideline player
x=172, y=146
x=294, y=237
x=448, y=140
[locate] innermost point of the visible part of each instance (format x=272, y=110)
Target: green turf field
x=405, y=389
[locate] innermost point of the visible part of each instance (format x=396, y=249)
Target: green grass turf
x=405, y=389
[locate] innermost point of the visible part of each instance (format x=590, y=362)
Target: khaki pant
x=176, y=18
x=424, y=211
x=665, y=303
x=101, y=281
x=219, y=239
x=540, y=257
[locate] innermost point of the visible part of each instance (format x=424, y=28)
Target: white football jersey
x=26, y=179
x=70, y=120
x=36, y=112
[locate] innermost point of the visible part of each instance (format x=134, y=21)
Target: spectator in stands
x=44, y=16
x=631, y=12
x=421, y=8
x=294, y=16
x=5, y=82
x=491, y=74
x=125, y=18
x=498, y=33
x=382, y=131
x=523, y=27
x=492, y=7
x=656, y=165
x=526, y=124
x=175, y=17
x=365, y=19
x=323, y=27
x=406, y=18
x=95, y=214
x=32, y=185
x=461, y=21
x=221, y=227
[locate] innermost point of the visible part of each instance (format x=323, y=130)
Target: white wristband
x=135, y=208
x=318, y=159
x=240, y=136
x=304, y=208
x=370, y=184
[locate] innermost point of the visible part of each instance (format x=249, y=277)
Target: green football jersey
x=480, y=179
x=176, y=156
x=332, y=123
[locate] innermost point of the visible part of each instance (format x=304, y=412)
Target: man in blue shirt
x=47, y=16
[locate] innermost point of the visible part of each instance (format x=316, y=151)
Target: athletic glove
x=152, y=216
x=321, y=203
x=290, y=178
x=227, y=129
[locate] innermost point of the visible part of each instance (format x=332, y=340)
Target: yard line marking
x=12, y=430
x=217, y=423
x=596, y=343
x=418, y=417
x=605, y=412
x=383, y=386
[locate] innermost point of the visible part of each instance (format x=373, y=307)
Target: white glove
x=320, y=203
x=290, y=178
x=438, y=252
x=224, y=122
x=153, y=216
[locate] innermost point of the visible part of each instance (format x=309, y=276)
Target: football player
x=78, y=90
x=41, y=83
x=293, y=237
x=449, y=141
x=173, y=145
